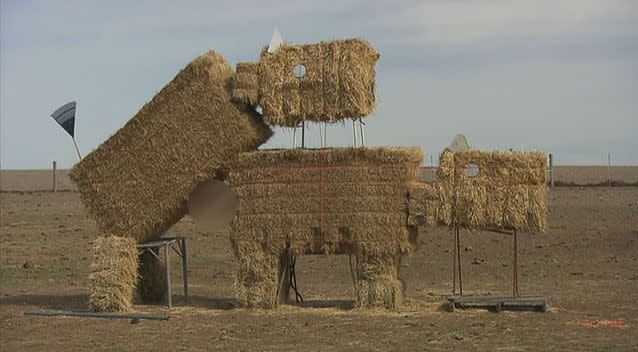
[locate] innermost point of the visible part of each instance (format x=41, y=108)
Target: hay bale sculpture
x=365, y=202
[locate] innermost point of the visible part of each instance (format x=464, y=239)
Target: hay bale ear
x=136, y=184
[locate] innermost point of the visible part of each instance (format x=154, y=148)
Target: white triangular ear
x=276, y=41
x=459, y=143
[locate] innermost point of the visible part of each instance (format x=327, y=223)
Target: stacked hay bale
x=113, y=274
x=137, y=183
x=338, y=82
x=328, y=201
x=509, y=191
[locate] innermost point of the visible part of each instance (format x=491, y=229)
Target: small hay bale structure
x=338, y=83
x=137, y=183
x=113, y=274
x=325, y=201
x=509, y=192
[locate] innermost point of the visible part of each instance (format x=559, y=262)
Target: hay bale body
x=509, y=192
x=137, y=183
x=113, y=274
x=329, y=201
x=338, y=82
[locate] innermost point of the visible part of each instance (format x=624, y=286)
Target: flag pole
x=76, y=147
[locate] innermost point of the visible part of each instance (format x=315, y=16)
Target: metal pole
x=551, y=170
x=167, y=271
x=294, y=136
x=458, y=254
x=55, y=184
x=354, y=132
x=325, y=133
x=76, y=148
x=303, y=134
x=97, y=315
x=185, y=268
x=454, y=257
x=515, y=264
x=363, y=138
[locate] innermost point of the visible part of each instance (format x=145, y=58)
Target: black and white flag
x=65, y=117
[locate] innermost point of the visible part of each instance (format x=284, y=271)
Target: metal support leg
x=167, y=268
x=184, y=268
x=515, y=264
x=458, y=256
x=454, y=260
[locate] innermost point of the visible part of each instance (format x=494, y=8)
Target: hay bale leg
x=113, y=274
x=258, y=277
x=151, y=285
x=378, y=283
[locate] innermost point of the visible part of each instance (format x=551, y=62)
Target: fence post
x=551, y=169
x=55, y=184
x=609, y=174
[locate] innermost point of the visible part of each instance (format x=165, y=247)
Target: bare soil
x=587, y=265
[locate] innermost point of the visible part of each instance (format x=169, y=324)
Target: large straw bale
x=325, y=201
x=137, y=183
x=113, y=274
x=509, y=192
x=338, y=83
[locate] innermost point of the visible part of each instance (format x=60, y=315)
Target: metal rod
x=96, y=315
x=515, y=264
x=303, y=134
x=325, y=133
x=551, y=170
x=458, y=253
x=167, y=270
x=363, y=139
x=609, y=163
x=76, y=148
x=320, y=136
x=294, y=136
x=185, y=268
x=354, y=132
x=454, y=259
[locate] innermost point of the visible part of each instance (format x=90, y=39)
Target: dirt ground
x=587, y=265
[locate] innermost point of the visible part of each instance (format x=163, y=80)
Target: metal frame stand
x=498, y=302
x=289, y=276
x=177, y=244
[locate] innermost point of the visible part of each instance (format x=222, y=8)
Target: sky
x=552, y=75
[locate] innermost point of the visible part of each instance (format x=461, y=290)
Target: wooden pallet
x=499, y=303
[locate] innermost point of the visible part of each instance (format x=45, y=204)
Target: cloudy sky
x=561, y=76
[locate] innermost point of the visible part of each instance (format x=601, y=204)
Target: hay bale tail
x=113, y=274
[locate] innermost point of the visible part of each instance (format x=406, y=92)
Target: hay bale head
x=480, y=189
x=137, y=182
x=329, y=201
x=113, y=274
x=338, y=82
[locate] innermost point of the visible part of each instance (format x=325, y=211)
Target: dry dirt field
x=587, y=265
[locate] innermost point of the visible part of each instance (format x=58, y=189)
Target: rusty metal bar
x=97, y=315
x=458, y=253
x=167, y=271
x=454, y=259
x=515, y=263
x=184, y=267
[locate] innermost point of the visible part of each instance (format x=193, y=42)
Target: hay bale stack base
x=509, y=192
x=113, y=274
x=338, y=82
x=325, y=201
x=137, y=183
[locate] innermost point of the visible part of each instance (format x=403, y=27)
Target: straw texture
x=338, y=83
x=137, y=183
x=509, y=192
x=328, y=201
x=113, y=274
